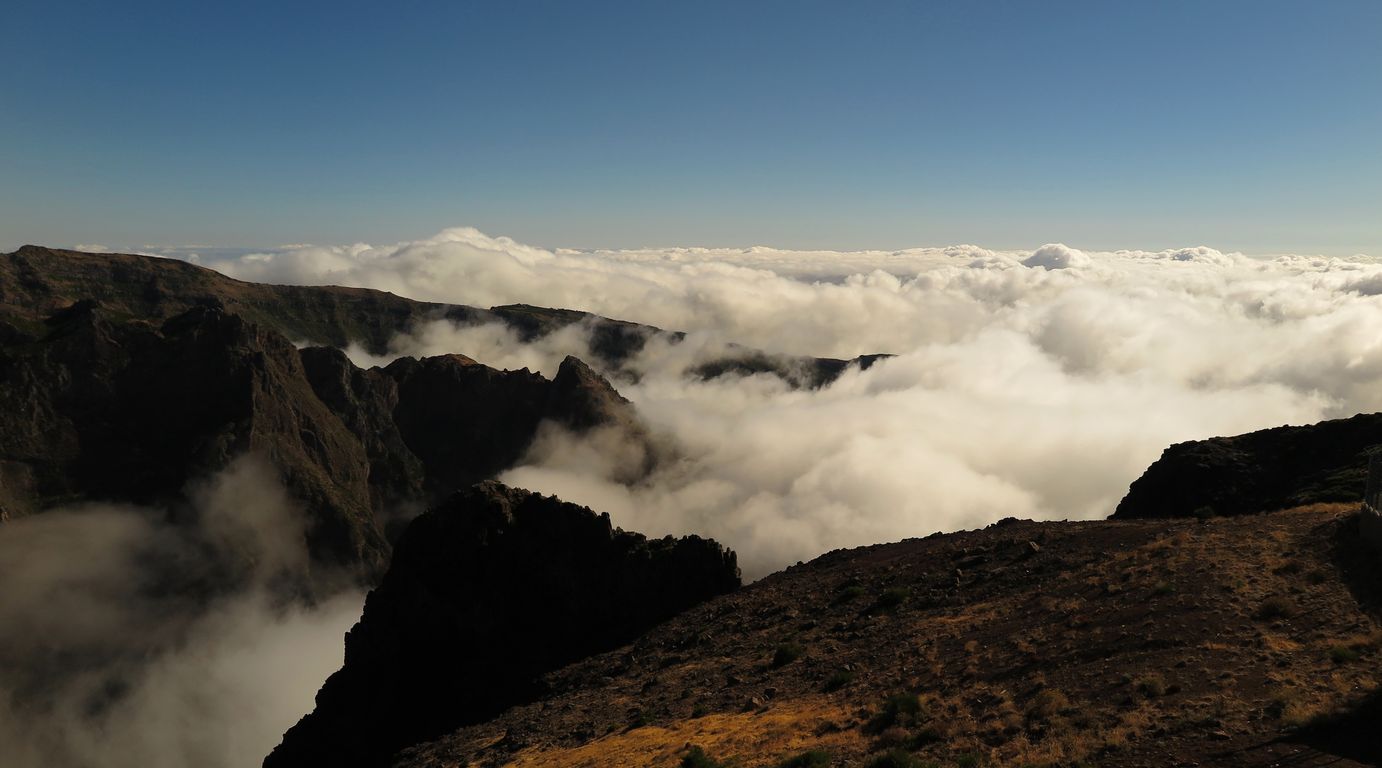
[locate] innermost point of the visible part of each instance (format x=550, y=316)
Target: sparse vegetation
x=891, y=598
x=848, y=594
x=697, y=758
x=1046, y=704
x=963, y=685
x=1274, y=607
x=815, y=758
x=787, y=653
x=1150, y=685
x=1342, y=654
x=900, y=709
x=837, y=681
x=897, y=758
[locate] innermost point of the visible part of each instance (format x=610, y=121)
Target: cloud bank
x=135, y=641
x=1030, y=383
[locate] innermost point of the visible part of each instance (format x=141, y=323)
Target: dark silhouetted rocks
x=485, y=594
x=104, y=409
x=1257, y=472
x=97, y=406
x=35, y=282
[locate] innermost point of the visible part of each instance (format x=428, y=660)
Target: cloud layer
x=132, y=641
x=1035, y=383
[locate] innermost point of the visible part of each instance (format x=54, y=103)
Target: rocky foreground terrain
x=1233, y=641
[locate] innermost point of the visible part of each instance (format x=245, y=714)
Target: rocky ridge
x=485, y=594
x=96, y=406
x=1260, y=471
x=35, y=282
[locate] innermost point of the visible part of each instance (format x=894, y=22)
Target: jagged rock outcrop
x=96, y=406
x=1259, y=471
x=127, y=411
x=464, y=420
x=485, y=594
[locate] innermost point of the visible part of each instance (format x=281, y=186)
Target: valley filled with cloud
x=1024, y=383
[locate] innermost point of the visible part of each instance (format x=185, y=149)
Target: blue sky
x=1253, y=126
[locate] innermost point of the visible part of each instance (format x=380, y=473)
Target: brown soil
x=1249, y=641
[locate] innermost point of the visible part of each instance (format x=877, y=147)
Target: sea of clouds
x=1029, y=383
x=156, y=638
x=1026, y=383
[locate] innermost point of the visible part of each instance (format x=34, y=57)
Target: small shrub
x=969, y=760
x=1342, y=654
x=1288, y=569
x=891, y=598
x=1151, y=685
x=896, y=736
x=928, y=735
x=837, y=681
x=901, y=709
x=896, y=758
x=1163, y=588
x=1275, y=607
x=697, y=758
x=1204, y=513
x=699, y=711
x=1046, y=704
x=816, y=758
x=851, y=592
x=787, y=653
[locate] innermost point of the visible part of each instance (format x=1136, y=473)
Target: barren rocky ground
x=1249, y=641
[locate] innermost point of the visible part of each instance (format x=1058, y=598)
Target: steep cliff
x=485, y=594
x=97, y=406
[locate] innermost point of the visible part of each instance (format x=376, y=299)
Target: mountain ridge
x=36, y=281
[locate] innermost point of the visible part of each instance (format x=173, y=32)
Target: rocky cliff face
x=96, y=406
x=126, y=411
x=485, y=594
x=1260, y=471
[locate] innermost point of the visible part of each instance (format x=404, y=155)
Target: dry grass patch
x=750, y=739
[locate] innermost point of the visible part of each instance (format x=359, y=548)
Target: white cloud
x=1027, y=383
x=118, y=653
x=1056, y=256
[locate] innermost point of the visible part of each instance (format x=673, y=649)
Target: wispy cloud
x=133, y=642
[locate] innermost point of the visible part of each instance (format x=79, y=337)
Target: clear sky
x=1253, y=126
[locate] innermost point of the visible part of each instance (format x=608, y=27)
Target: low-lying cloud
x=1031, y=383
x=133, y=640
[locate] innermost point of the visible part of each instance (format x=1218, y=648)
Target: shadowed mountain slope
x=95, y=406
x=485, y=594
x=1259, y=471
